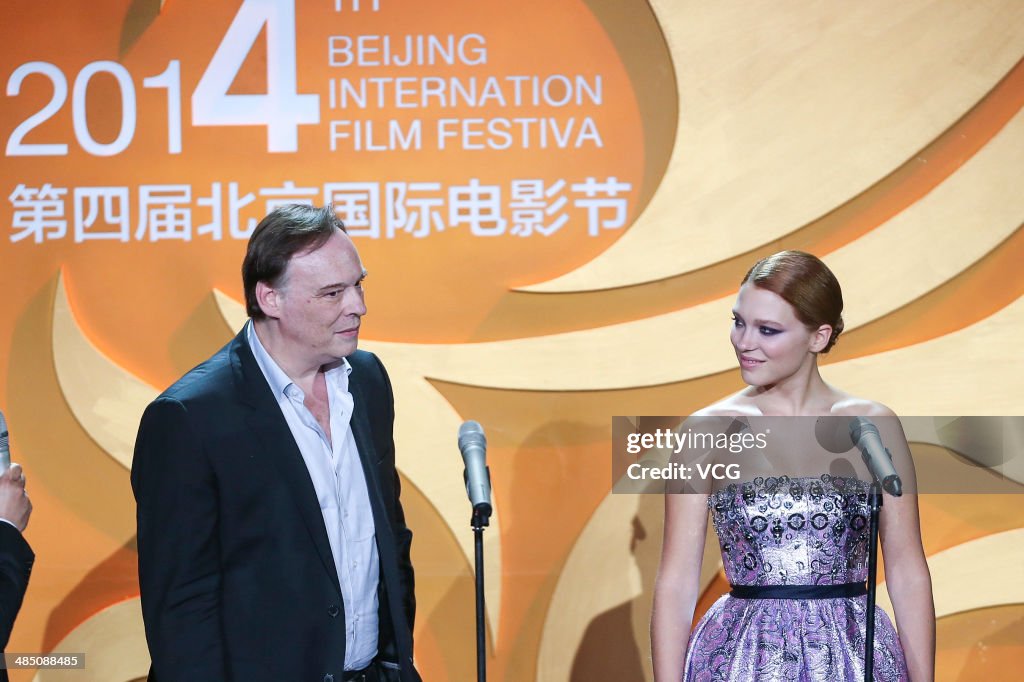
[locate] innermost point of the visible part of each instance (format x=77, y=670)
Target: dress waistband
x=798, y=591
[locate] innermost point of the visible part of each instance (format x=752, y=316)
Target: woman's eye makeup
x=763, y=330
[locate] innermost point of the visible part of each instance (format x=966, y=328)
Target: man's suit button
x=333, y=611
x=328, y=678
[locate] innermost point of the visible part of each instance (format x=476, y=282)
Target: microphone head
x=860, y=426
x=473, y=446
x=471, y=433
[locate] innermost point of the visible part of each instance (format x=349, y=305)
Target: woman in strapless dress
x=794, y=547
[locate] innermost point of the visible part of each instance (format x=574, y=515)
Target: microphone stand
x=875, y=506
x=481, y=518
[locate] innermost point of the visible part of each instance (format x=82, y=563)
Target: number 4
x=281, y=109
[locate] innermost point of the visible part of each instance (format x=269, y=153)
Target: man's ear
x=268, y=298
x=819, y=337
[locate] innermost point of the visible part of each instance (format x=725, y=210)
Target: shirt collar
x=278, y=380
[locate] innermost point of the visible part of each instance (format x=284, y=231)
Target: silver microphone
x=473, y=445
x=879, y=460
x=5, y=445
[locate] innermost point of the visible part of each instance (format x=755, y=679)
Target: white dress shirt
x=340, y=484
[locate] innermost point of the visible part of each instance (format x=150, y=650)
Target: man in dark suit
x=16, y=557
x=272, y=542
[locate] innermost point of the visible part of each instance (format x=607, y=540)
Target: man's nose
x=355, y=303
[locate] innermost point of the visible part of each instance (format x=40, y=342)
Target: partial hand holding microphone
x=5, y=445
x=473, y=445
x=865, y=435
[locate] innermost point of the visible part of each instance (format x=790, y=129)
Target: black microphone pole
x=878, y=459
x=473, y=445
x=481, y=518
x=875, y=506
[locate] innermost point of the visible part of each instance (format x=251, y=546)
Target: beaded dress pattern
x=792, y=531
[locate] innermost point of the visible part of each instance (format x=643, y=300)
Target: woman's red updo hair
x=807, y=284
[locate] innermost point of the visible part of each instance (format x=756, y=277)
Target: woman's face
x=771, y=343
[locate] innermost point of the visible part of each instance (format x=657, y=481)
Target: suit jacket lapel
x=367, y=452
x=362, y=432
x=273, y=440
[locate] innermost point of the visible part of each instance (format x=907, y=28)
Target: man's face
x=320, y=302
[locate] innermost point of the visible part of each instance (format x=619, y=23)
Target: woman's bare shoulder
x=854, y=406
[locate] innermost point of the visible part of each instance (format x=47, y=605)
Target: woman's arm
x=909, y=584
x=906, y=568
x=678, y=582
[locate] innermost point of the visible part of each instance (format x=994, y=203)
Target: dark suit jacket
x=16, y=558
x=237, y=576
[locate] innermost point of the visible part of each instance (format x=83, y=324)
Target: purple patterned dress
x=792, y=531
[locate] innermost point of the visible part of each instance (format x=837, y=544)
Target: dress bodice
x=793, y=531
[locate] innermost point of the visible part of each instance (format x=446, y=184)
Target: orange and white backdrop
x=555, y=200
